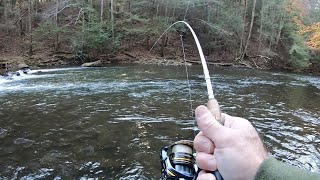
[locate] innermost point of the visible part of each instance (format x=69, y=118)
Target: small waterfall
x=10, y=76
x=22, y=80
x=2, y=79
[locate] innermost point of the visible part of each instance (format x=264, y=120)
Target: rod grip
x=217, y=175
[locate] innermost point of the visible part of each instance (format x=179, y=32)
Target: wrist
x=259, y=163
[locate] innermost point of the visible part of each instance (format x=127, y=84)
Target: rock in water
x=23, y=66
x=93, y=64
x=24, y=142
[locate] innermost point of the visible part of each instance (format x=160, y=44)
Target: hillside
x=253, y=34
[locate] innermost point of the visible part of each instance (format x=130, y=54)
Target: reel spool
x=180, y=163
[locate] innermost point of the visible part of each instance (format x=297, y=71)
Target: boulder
x=93, y=64
x=22, y=142
x=23, y=66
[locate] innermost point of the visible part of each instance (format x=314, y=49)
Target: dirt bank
x=12, y=53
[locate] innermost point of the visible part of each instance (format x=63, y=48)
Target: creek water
x=112, y=122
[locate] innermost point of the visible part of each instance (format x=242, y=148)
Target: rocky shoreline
x=17, y=63
x=12, y=64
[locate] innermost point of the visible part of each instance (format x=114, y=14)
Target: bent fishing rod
x=178, y=159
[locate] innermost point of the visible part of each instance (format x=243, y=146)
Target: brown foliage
x=313, y=34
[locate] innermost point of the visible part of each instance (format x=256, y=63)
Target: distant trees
x=313, y=35
x=239, y=28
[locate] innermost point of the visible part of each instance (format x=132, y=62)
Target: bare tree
x=250, y=30
x=112, y=18
x=261, y=23
x=20, y=18
x=245, y=3
x=6, y=15
x=130, y=6
x=281, y=25
x=101, y=11
x=57, y=26
x=30, y=26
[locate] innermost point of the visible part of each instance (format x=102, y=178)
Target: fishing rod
x=178, y=159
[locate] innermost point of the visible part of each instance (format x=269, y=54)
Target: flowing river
x=111, y=123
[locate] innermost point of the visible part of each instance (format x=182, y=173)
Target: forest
x=263, y=34
x=123, y=118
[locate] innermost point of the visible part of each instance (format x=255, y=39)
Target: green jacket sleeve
x=272, y=169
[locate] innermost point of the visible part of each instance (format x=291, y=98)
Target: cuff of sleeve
x=265, y=169
x=272, y=169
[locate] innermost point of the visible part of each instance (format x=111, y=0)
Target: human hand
x=234, y=149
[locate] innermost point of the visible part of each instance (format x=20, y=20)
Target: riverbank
x=63, y=59
x=12, y=54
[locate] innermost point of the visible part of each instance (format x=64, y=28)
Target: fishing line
x=207, y=78
x=202, y=58
x=189, y=85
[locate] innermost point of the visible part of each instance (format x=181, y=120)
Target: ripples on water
x=112, y=122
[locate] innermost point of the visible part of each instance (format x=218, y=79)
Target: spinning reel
x=178, y=162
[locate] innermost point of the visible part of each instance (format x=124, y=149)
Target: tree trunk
x=174, y=11
x=35, y=6
x=165, y=12
x=207, y=13
x=163, y=44
x=83, y=29
x=261, y=24
x=101, y=11
x=251, y=26
x=217, y=12
x=57, y=26
x=130, y=7
x=20, y=20
x=30, y=26
x=186, y=12
x=112, y=18
x=6, y=16
x=244, y=27
x=281, y=24
x=158, y=5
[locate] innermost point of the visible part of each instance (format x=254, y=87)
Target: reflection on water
x=112, y=122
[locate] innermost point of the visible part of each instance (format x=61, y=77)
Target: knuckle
x=208, y=126
x=206, y=162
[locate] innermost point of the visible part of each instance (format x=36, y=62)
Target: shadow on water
x=112, y=122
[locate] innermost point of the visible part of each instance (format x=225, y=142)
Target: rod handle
x=217, y=175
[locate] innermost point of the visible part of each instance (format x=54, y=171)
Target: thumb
x=214, y=108
x=209, y=125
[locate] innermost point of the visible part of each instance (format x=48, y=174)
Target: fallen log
x=212, y=63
